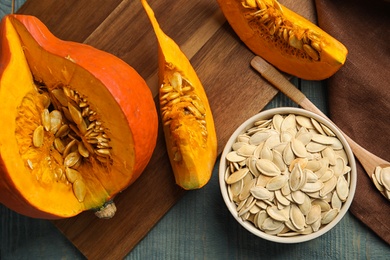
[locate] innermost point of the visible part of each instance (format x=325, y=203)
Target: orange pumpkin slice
x=285, y=39
x=188, y=122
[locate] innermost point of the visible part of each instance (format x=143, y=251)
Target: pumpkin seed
x=246, y=190
x=317, y=126
x=329, y=216
x=270, y=224
x=69, y=148
x=46, y=119
x=288, y=154
x=71, y=159
x=59, y=94
x=277, y=182
x=311, y=52
x=277, y=159
x=254, y=209
x=297, y=218
x=324, y=127
x=329, y=153
x=310, y=176
x=336, y=202
x=304, y=121
x=272, y=141
x=63, y=131
x=266, y=153
x=260, y=193
x=313, y=215
x=75, y=114
x=298, y=197
x=104, y=152
x=38, y=136
x=277, y=122
x=234, y=157
x=305, y=137
x=82, y=127
x=314, y=147
x=237, y=176
x=72, y=175
x=322, y=203
x=30, y=164
x=246, y=150
x=45, y=98
x=312, y=186
x=329, y=186
x=289, y=122
x=259, y=137
x=297, y=178
x=342, y=188
x=286, y=136
x=306, y=205
x=236, y=188
x=281, y=198
x=385, y=177
x=83, y=151
x=316, y=225
x=59, y=145
x=79, y=190
x=55, y=120
x=276, y=214
x=267, y=167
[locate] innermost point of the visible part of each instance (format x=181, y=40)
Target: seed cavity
x=266, y=18
x=178, y=100
x=76, y=134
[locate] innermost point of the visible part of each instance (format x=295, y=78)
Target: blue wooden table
x=199, y=226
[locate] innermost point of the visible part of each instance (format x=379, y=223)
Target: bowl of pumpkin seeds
x=287, y=175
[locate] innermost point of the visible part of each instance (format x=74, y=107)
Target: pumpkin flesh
x=188, y=122
x=31, y=58
x=285, y=39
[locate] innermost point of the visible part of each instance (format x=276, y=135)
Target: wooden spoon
x=368, y=160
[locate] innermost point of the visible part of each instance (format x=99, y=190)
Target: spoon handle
x=368, y=160
x=276, y=78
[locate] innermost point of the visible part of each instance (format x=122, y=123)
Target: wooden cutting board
x=221, y=60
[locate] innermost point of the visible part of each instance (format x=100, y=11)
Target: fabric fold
x=359, y=93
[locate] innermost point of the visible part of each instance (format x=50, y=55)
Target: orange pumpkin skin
x=29, y=52
x=278, y=34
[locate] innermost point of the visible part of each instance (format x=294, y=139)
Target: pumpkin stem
x=107, y=211
x=12, y=6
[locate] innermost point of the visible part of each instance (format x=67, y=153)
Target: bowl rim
x=267, y=114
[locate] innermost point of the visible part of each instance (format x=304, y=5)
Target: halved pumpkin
x=79, y=125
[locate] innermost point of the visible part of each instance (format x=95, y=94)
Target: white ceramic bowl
x=268, y=114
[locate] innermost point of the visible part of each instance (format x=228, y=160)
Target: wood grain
x=235, y=93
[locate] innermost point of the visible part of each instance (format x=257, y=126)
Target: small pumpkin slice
x=188, y=123
x=285, y=39
x=79, y=124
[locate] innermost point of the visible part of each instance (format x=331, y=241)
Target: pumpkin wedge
x=285, y=39
x=188, y=123
x=79, y=124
